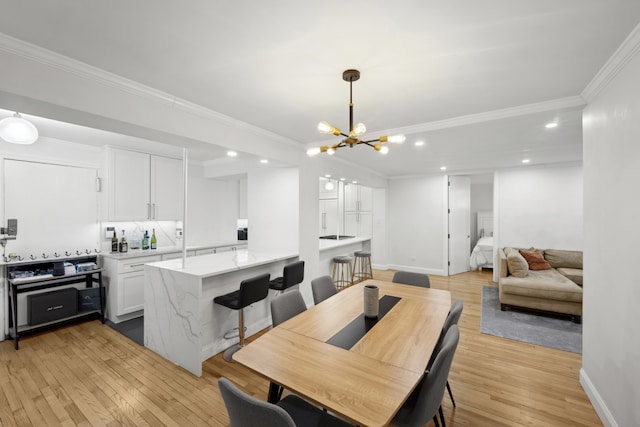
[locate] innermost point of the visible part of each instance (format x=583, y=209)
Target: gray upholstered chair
x=287, y=305
x=409, y=278
x=452, y=319
x=424, y=403
x=247, y=411
x=322, y=288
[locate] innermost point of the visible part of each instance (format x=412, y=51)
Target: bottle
x=145, y=240
x=135, y=240
x=124, y=246
x=114, y=242
x=154, y=241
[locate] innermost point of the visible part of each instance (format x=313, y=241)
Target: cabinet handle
x=135, y=265
x=148, y=210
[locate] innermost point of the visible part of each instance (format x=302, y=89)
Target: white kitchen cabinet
x=143, y=186
x=358, y=207
x=328, y=217
x=125, y=291
x=231, y=247
x=176, y=255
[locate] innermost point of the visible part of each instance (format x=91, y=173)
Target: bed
x=483, y=251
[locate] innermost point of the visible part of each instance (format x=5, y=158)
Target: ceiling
x=454, y=75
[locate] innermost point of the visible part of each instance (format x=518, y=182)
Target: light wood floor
x=89, y=375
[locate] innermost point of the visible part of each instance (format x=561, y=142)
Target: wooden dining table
x=361, y=369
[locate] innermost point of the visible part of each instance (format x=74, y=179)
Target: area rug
x=132, y=329
x=531, y=328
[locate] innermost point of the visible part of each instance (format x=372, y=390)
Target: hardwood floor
x=89, y=375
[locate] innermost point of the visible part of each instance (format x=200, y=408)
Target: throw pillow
x=517, y=265
x=535, y=260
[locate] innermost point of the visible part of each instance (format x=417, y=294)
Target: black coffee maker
x=242, y=233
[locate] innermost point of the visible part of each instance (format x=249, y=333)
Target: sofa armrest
x=502, y=263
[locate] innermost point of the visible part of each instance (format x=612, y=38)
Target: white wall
x=611, y=344
x=212, y=209
x=540, y=207
x=416, y=226
x=272, y=208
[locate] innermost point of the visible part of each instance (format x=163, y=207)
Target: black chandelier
x=355, y=132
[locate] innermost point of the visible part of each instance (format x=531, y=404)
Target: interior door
x=459, y=224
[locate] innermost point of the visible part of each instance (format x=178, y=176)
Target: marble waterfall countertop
x=330, y=244
x=224, y=262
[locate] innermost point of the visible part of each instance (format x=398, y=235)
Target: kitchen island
x=330, y=248
x=182, y=324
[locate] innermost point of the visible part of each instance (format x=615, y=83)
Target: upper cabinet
x=358, y=198
x=143, y=186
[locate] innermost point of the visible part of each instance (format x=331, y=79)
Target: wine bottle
x=154, y=241
x=145, y=240
x=124, y=246
x=114, y=242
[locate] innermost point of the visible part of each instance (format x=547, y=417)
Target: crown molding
x=97, y=75
x=616, y=63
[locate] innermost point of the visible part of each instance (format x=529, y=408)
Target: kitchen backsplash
x=165, y=232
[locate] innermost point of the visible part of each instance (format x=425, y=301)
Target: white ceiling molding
x=51, y=59
x=521, y=110
x=625, y=52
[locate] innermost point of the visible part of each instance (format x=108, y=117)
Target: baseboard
x=435, y=272
x=598, y=404
x=380, y=266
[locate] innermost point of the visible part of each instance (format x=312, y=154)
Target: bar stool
x=292, y=274
x=340, y=263
x=361, y=267
x=251, y=290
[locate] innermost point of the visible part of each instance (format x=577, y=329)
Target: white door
x=459, y=226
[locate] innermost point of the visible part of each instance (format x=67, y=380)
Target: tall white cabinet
x=143, y=186
x=358, y=210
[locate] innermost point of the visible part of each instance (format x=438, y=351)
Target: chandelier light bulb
x=313, y=151
x=359, y=129
x=384, y=149
x=18, y=130
x=325, y=127
x=331, y=151
x=396, y=139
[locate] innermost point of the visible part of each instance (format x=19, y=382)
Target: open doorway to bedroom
x=481, y=221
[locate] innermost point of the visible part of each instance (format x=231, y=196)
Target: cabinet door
x=366, y=199
x=350, y=197
x=129, y=186
x=328, y=217
x=166, y=188
x=351, y=224
x=365, y=224
x=130, y=292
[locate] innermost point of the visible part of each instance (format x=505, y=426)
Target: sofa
x=547, y=280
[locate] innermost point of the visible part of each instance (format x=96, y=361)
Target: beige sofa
x=554, y=290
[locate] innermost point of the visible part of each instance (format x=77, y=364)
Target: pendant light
x=18, y=130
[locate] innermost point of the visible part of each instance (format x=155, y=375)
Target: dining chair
x=286, y=306
x=425, y=401
x=452, y=319
x=283, y=308
x=409, y=278
x=292, y=411
x=322, y=288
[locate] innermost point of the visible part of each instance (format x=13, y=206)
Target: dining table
x=360, y=368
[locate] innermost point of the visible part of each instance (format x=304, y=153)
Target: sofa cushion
x=518, y=266
x=535, y=259
x=573, y=274
x=560, y=258
x=545, y=284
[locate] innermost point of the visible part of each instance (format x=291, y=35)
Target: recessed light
x=342, y=179
x=418, y=143
x=354, y=182
x=526, y=160
x=328, y=175
x=443, y=168
x=264, y=161
x=551, y=125
x=232, y=153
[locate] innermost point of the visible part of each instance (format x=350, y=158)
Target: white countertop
x=330, y=244
x=224, y=262
x=137, y=253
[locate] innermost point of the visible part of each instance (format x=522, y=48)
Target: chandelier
x=355, y=132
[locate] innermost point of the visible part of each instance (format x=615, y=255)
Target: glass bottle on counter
x=154, y=241
x=124, y=246
x=145, y=240
x=114, y=242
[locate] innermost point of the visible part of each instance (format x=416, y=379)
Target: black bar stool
x=292, y=274
x=251, y=290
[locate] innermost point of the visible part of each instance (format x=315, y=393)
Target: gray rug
x=132, y=329
x=523, y=326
